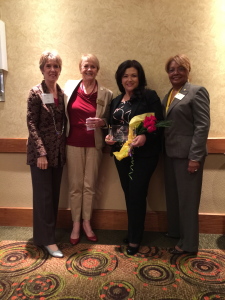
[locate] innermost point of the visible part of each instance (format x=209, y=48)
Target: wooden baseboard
x=13, y=145
x=110, y=220
x=18, y=145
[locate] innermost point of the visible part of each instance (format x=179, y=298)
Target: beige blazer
x=104, y=98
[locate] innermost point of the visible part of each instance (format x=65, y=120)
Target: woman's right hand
x=109, y=140
x=42, y=163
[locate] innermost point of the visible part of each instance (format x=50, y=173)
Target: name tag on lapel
x=100, y=102
x=179, y=96
x=47, y=98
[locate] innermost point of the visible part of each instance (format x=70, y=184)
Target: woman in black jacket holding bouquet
x=135, y=100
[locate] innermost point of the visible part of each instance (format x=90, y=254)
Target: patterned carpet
x=106, y=272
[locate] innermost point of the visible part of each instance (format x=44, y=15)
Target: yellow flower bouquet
x=133, y=126
x=139, y=124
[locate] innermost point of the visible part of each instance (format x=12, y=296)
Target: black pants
x=46, y=190
x=135, y=191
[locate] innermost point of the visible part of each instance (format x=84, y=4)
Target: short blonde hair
x=90, y=57
x=181, y=60
x=46, y=55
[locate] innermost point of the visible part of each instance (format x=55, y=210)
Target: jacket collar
x=134, y=100
x=74, y=85
x=184, y=91
x=101, y=97
x=44, y=89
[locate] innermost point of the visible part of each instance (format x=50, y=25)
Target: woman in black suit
x=134, y=100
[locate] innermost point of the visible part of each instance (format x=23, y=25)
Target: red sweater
x=81, y=107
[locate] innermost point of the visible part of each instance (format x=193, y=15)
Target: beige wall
x=115, y=30
x=16, y=190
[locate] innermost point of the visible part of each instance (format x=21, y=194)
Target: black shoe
x=125, y=240
x=175, y=251
x=132, y=250
x=166, y=234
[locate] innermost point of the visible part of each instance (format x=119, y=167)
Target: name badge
x=179, y=96
x=47, y=98
x=100, y=102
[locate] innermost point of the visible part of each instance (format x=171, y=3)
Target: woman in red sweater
x=87, y=109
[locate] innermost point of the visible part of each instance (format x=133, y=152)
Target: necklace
x=88, y=95
x=59, y=133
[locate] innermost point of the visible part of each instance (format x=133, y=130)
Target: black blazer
x=147, y=101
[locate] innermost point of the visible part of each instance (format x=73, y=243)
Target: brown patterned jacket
x=47, y=126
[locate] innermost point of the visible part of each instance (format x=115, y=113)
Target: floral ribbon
x=134, y=122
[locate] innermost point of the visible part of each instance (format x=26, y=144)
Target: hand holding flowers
x=138, y=141
x=139, y=126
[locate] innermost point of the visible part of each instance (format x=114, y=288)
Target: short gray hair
x=46, y=55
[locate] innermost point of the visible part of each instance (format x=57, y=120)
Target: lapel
x=164, y=102
x=61, y=106
x=70, y=87
x=100, y=100
x=134, y=108
x=44, y=89
x=116, y=102
x=184, y=91
x=114, y=105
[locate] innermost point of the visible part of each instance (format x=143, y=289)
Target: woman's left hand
x=95, y=122
x=193, y=166
x=139, y=141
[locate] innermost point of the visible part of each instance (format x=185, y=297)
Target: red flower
x=151, y=128
x=149, y=121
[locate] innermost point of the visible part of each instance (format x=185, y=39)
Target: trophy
x=118, y=133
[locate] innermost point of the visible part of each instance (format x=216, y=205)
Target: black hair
x=130, y=64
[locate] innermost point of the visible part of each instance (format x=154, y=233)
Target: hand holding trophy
x=109, y=138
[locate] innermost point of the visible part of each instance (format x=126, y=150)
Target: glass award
x=119, y=133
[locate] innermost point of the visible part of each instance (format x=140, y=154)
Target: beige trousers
x=83, y=166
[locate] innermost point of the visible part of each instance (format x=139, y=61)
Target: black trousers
x=46, y=190
x=135, y=191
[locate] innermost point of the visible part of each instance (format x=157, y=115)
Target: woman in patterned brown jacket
x=46, y=150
